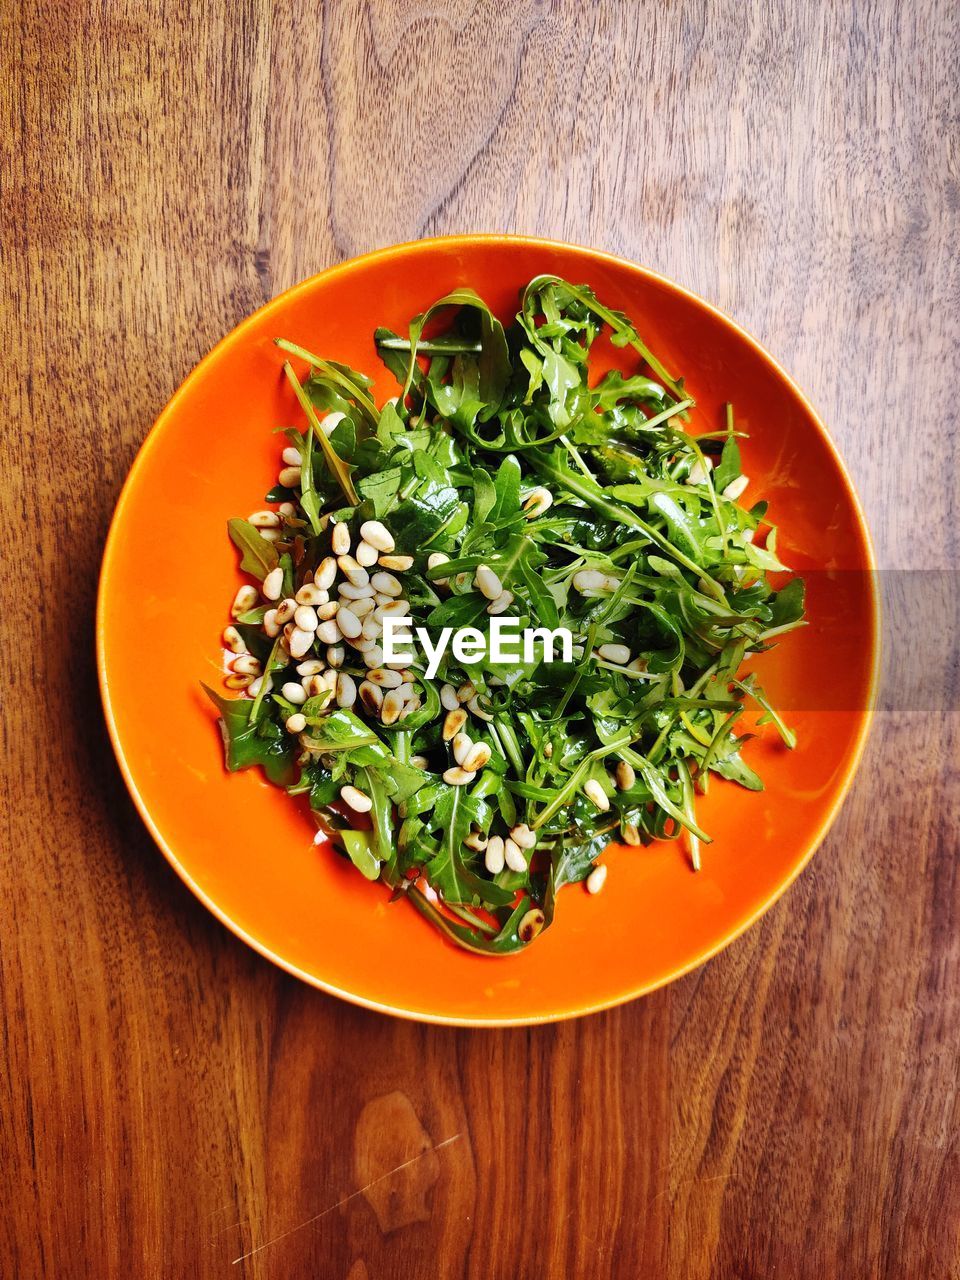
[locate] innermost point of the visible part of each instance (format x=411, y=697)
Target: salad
x=502, y=481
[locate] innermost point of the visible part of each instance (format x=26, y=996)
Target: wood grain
x=169, y=1102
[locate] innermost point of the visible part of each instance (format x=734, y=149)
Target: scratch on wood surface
x=346, y=1199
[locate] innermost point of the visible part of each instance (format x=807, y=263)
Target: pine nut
x=285, y=610
x=736, y=487
x=531, y=924
x=596, y=879
x=458, y=777
x=372, y=629
x=448, y=697
x=290, y=477
x=625, y=775
x=548, y=751
x=258, y=684
x=358, y=800
x=364, y=592
x=630, y=833
x=453, y=723
x=300, y=642
x=340, y=539
x=748, y=535
x=523, y=837
x=246, y=598
x=589, y=580
x=306, y=618
x=355, y=573
x=408, y=692
x=335, y=655
x=270, y=535
x=362, y=608
x=392, y=706
x=294, y=692
x=610, y=583
x=326, y=572
x=288, y=510
x=513, y=855
x=392, y=609
x=537, y=502
x=264, y=519
x=373, y=657
x=596, y=794
x=233, y=640
x=494, y=857
x=386, y=584
x=329, y=610
x=384, y=678
x=638, y=664
x=617, y=653
x=419, y=762
x=238, y=682
x=366, y=555
x=273, y=584
x=462, y=746
x=370, y=696
x=378, y=535
x=271, y=623
x=434, y=559
x=328, y=632
x=362, y=644
x=312, y=667
x=309, y=593
x=474, y=707
x=349, y=624
x=476, y=840
x=479, y=756
x=291, y=456
x=410, y=706
x=346, y=690
x=466, y=692
x=487, y=582
x=246, y=665
x=398, y=563
x=331, y=421
x=503, y=602
x=699, y=471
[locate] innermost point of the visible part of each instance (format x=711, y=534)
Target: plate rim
x=141, y=457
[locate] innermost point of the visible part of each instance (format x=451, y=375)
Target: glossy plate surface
x=169, y=572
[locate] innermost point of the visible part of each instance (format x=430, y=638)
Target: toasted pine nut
x=295, y=693
x=494, y=857
x=361, y=643
x=346, y=690
x=378, y=535
x=317, y=686
x=329, y=610
x=487, y=582
x=434, y=559
x=271, y=623
x=618, y=653
x=411, y=705
x=474, y=707
x=478, y=756
x=264, y=519
x=392, y=609
x=246, y=665
x=340, y=539
x=285, y=610
x=312, y=667
x=290, y=477
x=548, y=750
x=233, y=640
x=373, y=657
x=448, y=697
x=358, y=801
x=238, y=682
x=300, y=642
x=306, y=617
x=348, y=623
x=326, y=573
x=638, y=664
x=625, y=775
x=258, y=684
x=291, y=456
x=392, y=706
x=531, y=924
x=385, y=679
x=630, y=833
x=523, y=837
x=273, y=584
x=466, y=692
x=328, y=632
x=503, y=602
x=458, y=777
x=386, y=584
x=699, y=471
x=372, y=629
x=397, y=563
x=362, y=608
x=335, y=655
x=462, y=746
x=355, y=573
x=589, y=580
x=370, y=696
x=476, y=840
x=349, y=592
x=453, y=723
x=246, y=598
x=366, y=555
x=537, y=502
x=311, y=594
x=513, y=855
x=596, y=879
x=736, y=487
x=596, y=794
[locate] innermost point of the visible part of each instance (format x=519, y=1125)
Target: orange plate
x=246, y=850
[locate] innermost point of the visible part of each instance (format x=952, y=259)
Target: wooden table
x=172, y=1104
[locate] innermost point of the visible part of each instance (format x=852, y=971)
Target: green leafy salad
x=501, y=487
